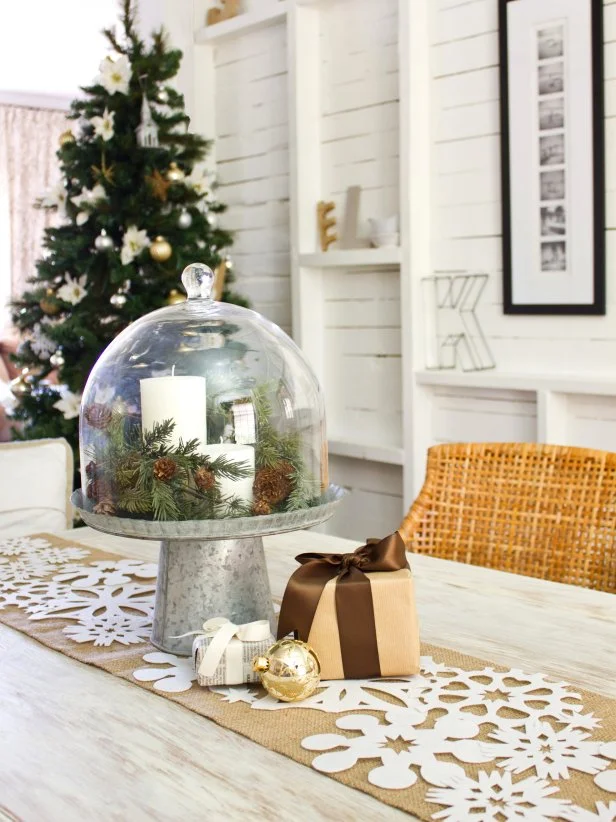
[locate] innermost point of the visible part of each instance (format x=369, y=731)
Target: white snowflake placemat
x=463, y=740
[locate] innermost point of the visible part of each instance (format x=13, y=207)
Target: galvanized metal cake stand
x=209, y=568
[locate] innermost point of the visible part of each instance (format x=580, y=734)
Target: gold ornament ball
x=174, y=173
x=160, y=250
x=48, y=304
x=66, y=137
x=20, y=386
x=175, y=297
x=290, y=670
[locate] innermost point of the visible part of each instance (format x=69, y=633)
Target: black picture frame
x=598, y=305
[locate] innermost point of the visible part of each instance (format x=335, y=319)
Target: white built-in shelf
x=389, y=257
x=366, y=451
x=270, y=14
x=558, y=383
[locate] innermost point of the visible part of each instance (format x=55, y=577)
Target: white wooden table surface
x=79, y=744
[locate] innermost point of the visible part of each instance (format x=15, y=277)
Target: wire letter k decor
x=454, y=336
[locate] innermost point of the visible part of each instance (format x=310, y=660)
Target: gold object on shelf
x=228, y=9
x=326, y=223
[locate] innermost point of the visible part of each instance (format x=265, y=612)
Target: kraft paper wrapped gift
x=356, y=610
x=223, y=652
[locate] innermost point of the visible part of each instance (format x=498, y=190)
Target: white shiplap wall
x=466, y=235
x=359, y=146
x=466, y=224
x=252, y=157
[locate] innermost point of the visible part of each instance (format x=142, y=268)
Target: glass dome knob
x=198, y=280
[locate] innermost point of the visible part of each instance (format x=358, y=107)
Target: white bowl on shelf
x=386, y=240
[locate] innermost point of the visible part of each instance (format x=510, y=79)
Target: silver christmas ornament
x=229, y=263
x=185, y=219
x=118, y=300
x=57, y=360
x=103, y=242
x=212, y=220
x=163, y=96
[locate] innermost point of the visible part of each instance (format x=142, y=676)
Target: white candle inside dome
x=181, y=399
x=241, y=454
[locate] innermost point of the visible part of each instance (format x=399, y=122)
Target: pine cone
x=105, y=506
x=273, y=485
x=98, y=415
x=261, y=508
x=98, y=489
x=204, y=478
x=91, y=469
x=164, y=468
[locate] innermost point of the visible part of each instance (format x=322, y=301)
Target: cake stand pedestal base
x=201, y=579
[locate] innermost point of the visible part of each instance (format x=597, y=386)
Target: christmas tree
x=135, y=206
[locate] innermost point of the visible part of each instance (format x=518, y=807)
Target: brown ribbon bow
x=354, y=606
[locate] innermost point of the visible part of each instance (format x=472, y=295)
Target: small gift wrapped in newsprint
x=357, y=611
x=223, y=651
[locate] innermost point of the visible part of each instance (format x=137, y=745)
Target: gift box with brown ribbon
x=356, y=610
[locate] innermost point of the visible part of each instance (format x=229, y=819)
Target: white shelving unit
x=321, y=282
x=358, y=313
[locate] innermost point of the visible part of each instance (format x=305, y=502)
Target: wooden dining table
x=79, y=744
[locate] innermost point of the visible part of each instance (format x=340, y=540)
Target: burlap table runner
x=474, y=739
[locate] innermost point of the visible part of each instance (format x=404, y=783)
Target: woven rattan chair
x=544, y=511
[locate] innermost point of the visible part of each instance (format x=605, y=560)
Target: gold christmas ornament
x=66, y=137
x=21, y=385
x=160, y=250
x=174, y=173
x=290, y=670
x=175, y=297
x=48, y=303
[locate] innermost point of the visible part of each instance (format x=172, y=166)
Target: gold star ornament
x=158, y=185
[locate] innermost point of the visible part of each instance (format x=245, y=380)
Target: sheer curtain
x=28, y=166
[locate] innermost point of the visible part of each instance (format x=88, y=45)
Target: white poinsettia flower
x=55, y=197
x=133, y=243
x=74, y=290
x=88, y=198
x=103, y=126
x=199, y=180
x=115, y=75
x=68, y=404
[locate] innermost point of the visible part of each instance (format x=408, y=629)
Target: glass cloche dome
x=202, y=410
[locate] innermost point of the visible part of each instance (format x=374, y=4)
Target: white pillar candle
x=181, y=399
x=241, y=488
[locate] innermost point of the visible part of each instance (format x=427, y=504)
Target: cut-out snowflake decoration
x=607, y=780
x=398, y=745
x=106, y=572
x=178, y=675
x=238, y=693
x=357, y=695
x=25, y=568
x=494, y=796
x=496, y=692
x=61, y=556
x=549, y=752
x=22, y=545
x=107, y=601
x=605, y=813
x=33, y=596
x=103, y=632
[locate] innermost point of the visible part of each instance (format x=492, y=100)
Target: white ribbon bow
x=222, y=632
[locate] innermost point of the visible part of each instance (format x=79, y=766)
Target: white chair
x=36, y=478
